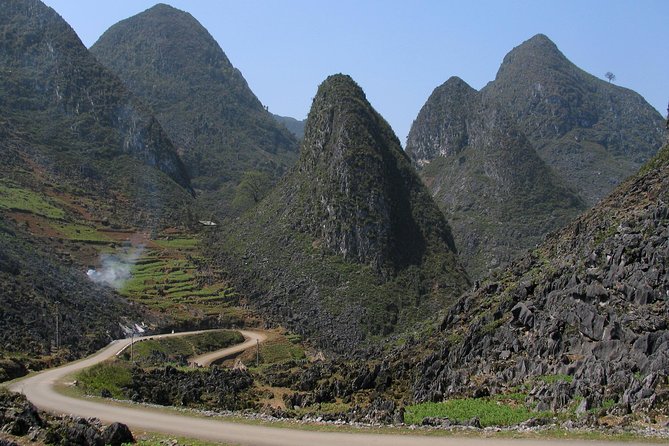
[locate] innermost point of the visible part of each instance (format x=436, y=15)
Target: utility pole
x=57, y=326
x=132, y=343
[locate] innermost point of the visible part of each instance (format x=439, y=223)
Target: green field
x=15, y=198
x=488, y=411
x=109, y=376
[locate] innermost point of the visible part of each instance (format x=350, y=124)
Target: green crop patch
x=178, y=243
x=488, y=411
x=15, y=198
x=81, y=233
x=280, y=350
x=109, y=377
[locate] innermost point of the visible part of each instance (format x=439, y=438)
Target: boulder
x=117, y=434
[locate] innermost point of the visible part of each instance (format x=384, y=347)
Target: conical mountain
x=219, y=126
x=497, y=193
x=350, y=245
x=592, y=132
x=70, y=117
x=584, y=317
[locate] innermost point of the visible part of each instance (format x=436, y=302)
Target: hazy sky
x=399, y=51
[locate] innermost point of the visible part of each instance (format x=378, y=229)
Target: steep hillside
x=295, y=126
x=69, y=117
x=583, y=319
x=219, y=126
x=350, y=245
x=496, y=192
x=592, y=132
x=47, y=305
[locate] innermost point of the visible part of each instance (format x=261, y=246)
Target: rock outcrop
x=585, y=315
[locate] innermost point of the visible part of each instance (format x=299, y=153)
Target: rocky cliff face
x=350, y=245
x=68, y=117
x=592, y=132
x=203, y=102
x=585, y=315
x=498, y=194
x=55, y=89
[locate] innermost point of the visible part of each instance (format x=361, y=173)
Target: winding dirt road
x=40, y=390
x=251, y=339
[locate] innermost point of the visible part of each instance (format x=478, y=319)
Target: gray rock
x=117, y=434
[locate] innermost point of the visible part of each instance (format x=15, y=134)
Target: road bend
x=40, y=389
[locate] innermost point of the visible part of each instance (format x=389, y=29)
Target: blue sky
x=399, y=51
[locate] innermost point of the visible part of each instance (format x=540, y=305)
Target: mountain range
x=530, y=151
x=516, y=251
x=72, y=120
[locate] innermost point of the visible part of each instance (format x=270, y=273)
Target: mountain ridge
x=528, y=152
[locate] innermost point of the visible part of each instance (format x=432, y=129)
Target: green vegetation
x=551, y=379
x=489, y=412
x=80, y=233
x=280, y=350
x=156, y=352
x=178, y=243
x=109, y=376
x=172, y=280
x=162, y=440
x=15, y=198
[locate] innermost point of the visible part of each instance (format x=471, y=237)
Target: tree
x=610, y=76
x=252, y=188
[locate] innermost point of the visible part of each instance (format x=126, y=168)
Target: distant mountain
x=71, y=119
x=582, y=320
x=592, y=132
x=497, y=193
x=295, y=126
x=350, y=245
x=477, y=151
x=219, y=126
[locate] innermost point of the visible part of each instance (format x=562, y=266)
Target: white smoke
x=115, y=269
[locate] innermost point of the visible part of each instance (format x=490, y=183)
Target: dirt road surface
x=251, y=339
x=40, y=390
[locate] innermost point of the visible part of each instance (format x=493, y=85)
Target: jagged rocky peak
x=349, y=247
x=440, y=128
x=485, y=174
x=536, y=50
x=171, y=37
x=592, y=132
x=363, y=193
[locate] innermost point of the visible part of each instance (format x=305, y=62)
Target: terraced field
x=171, y=277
